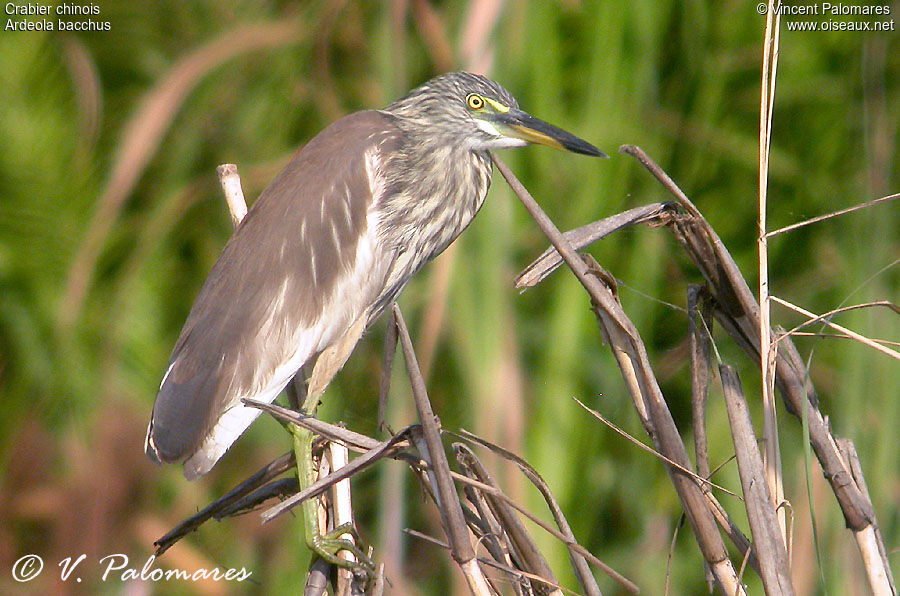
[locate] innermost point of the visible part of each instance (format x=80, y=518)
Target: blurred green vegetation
x=92, y=297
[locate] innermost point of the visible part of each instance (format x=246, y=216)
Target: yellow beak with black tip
x=518, y=124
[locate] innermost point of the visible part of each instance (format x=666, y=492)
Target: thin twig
x=702, y=480
x=837, y=213
x=860, y=338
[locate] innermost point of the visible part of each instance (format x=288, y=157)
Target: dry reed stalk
x=739, y=314
x=449, y=505
x=342, y=514
x=771, y=453
x=734, y=306
x=633, y=361
x=774, y=566
x=234, y=194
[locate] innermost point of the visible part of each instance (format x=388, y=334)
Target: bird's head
x=478, y=113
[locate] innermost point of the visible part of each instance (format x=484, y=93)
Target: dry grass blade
x=772, y=452
x=571, y=544
x=837, y=213
x=488, y=562
x=524, y=547
x=322, y=484
x=831, y=313
x=578, y=561
x=883, y=342
x=769, y=545
x=721, y=516
x=272, y=470
x=851, y=334
x=584, y=236
x=489, y=533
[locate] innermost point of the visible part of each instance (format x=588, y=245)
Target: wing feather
x=301, y=267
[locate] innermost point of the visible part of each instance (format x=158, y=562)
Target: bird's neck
x=436, y=190
x=447, y=187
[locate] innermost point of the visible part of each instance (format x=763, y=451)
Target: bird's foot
x=327, y=546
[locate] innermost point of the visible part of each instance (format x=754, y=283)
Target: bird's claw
x=327, y=546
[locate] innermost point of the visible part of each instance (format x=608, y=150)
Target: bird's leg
x=327, y=545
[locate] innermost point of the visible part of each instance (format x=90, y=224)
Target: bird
x=326, y=248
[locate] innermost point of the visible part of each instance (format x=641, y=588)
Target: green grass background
x=681, y=79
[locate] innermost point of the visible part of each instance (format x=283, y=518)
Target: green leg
x=328, y=545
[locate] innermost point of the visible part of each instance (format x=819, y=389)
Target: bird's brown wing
x=300, y=268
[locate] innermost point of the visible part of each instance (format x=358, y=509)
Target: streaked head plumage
x=476, y=113
x=455, y=106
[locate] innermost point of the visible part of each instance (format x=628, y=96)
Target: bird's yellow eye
x=475, y=102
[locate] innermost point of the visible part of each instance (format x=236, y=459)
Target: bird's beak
x=521, y=125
